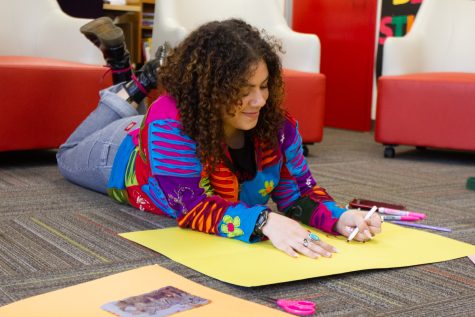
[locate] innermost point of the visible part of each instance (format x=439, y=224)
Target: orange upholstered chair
x=426, y=96
x=305, y=86
x=50, y=74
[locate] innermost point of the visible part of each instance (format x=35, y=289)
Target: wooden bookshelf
x=141, y=15
x=126, y=7
x=148, y=14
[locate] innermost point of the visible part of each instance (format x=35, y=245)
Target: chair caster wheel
x=305, y=150
x=389, y=152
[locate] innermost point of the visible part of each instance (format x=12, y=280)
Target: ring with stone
x=305, y=242
x=313, y=236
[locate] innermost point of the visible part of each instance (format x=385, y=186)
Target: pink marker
x=396, y=212
x=403, y=218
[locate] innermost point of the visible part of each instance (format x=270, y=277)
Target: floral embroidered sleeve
x=177, y=185
x=297, y=193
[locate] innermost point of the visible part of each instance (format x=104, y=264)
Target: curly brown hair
x=208, y=71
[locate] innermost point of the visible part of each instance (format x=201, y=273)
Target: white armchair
x=426, y=96
x=442, y=39
x=174, y=19
x=305, y=86
x=39, y=28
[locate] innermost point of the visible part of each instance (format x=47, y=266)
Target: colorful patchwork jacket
x=156, y=169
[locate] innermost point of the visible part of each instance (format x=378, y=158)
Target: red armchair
x=426, y=96
x=44, y=100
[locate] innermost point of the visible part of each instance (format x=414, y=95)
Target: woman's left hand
x=353, y=218
x=288, y=235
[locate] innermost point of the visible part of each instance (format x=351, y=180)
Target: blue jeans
x=87, y=156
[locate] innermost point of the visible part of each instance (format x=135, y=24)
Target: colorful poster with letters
x=396, y=20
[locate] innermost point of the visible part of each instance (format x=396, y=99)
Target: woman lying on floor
x=213, y=149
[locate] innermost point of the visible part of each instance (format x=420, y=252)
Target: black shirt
x=244, y=160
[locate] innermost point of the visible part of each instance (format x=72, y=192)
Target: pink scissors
x=297, y=307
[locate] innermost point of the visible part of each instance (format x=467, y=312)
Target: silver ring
x=305, y=242
x=313, y=236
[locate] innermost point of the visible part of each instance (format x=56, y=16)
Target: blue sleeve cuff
x=239, y=222
x=334, y=209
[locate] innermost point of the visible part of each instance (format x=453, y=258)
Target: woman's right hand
x=288, y=235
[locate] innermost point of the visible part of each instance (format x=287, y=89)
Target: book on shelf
x=147, y=18
x=147, y=47
x=116, y=2
x=147, y=23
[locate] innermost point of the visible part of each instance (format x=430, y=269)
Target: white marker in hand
x=356, y=230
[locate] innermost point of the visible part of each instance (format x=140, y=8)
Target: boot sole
x=104, y=30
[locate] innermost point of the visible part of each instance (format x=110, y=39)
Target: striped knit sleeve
x=297, y=188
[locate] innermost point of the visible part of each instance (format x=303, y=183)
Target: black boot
x=109, y=38
x=146, y=78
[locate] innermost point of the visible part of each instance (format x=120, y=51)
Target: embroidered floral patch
x=230, y=226
x=268, y=187
x=206, y=185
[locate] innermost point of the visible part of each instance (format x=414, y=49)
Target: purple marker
x=418, y=225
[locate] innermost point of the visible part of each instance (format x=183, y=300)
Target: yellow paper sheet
x=258, y=264
x=85, y=300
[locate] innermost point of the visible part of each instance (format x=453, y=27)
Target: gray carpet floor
x=55, y=234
